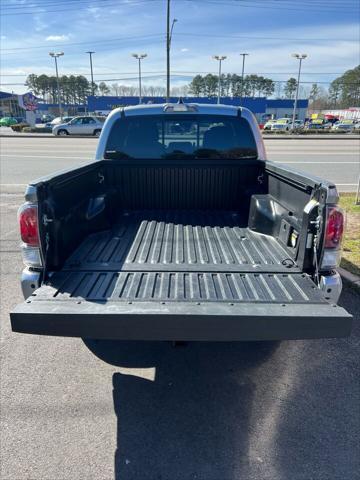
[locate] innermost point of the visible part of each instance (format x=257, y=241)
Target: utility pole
x=92, y=74
x=300, y=57
x=219, y=58
x=242, y=76
x=169, y=32
x=139, y=57
x=56, y=56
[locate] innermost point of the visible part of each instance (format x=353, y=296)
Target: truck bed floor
x=180, y=241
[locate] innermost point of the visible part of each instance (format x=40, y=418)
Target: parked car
x=282, y=124
x=88, y=125
x=347, y=125
x=47, y=118
x=268, y=124
x=181, y=236
x=58, y=121
x=8, y=121
x=317, y=124
x=298, y=125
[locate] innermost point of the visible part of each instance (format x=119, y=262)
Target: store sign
x=28, y=102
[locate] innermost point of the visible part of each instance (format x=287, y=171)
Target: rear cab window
x=176, y=135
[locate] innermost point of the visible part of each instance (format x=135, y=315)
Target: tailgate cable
x=46, y=220
x=316, y=224
x=47, y=243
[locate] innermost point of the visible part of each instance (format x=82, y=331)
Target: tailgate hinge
x=101, y=177
x=46, y=220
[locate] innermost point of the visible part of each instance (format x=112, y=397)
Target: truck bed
x=180, y=241
x=180, y=275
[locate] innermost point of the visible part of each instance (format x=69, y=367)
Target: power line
x=55, y=3
x=175, y=71
x=187, y=77
x=62, y=45
x=252, y=5
x=136, y=2
x=186, y=34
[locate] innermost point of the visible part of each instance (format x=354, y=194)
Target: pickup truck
x=181, y=230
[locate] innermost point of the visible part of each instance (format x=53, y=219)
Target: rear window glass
x=173, y=136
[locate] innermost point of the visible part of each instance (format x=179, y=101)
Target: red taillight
x=334, y=227
x=29, y=228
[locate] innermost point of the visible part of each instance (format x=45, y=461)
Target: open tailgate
x=181, y=306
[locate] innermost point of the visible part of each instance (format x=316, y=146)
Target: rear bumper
x=174, y=321
x=30, y=281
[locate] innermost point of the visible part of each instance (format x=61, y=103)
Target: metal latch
x=101, y=177
x=316, y=223
x=46, y=220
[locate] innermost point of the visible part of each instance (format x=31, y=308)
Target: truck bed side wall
x=90, y=198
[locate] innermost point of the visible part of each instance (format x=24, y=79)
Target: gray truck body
x=181, y=249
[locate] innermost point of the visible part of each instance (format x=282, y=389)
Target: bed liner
x=180, y=276
x=196, y=241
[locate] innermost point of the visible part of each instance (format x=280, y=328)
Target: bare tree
x=115, y=89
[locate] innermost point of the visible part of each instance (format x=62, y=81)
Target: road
x=24, y=159
x=148, y=411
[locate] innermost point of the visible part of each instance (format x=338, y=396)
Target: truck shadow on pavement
x=183, y=412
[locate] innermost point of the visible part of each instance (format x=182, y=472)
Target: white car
x=57, y=121
x=87, y=125
x=344, y=125
x=282, y=124
x=268, y=124
x=298, y=125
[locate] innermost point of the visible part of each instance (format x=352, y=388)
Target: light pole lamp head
x=244, y=54
x=299, y=56
x=139, y=56
x=56, y=54
x=219, y=57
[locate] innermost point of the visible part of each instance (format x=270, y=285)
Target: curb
x=350, y=278
x=264, y=136
x=43, y=135
x=310, y=137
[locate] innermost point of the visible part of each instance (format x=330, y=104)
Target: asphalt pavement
x=149, y=411
x=26, y=158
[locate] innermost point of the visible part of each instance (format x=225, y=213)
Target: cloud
x=95, y=12
x=57, y=38
x=39, y=24
x=184, y=50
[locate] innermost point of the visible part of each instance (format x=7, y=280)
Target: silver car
x=87, y=125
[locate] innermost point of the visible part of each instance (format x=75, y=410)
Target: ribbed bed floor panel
x=180, y=241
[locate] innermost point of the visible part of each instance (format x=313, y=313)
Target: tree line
x=343, y=92
x=73, y=88
x=231, y=85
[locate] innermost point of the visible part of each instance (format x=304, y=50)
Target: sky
x=268, y=30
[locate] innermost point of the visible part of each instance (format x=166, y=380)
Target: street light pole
x=139, y=57
x=300, y=57
x=56, y=56
x=219, y=58
x=242, y=76
x=92, y=74
x=169, y=32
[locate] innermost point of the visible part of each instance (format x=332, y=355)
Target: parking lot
x=204, y=411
